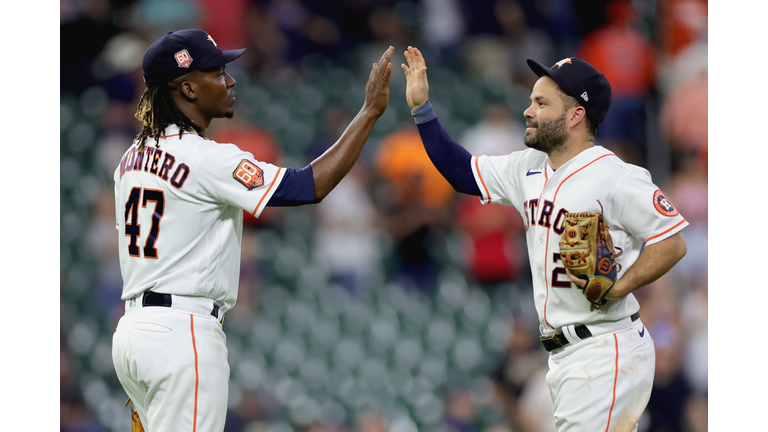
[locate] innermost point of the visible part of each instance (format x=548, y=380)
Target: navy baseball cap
x=180, y=52
x=582, y=81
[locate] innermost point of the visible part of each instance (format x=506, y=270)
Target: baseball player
x=179, y=199
x=602, y=361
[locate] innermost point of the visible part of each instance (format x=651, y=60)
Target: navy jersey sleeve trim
x=297, y=188
x=423, y=113
x=452, y=160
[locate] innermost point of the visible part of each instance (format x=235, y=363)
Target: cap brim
x=223, y=58
x=538, y=68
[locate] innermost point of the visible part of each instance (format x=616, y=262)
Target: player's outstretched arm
x=417, y=86
x=451, y=159
x=330, y=167
x=654, y=261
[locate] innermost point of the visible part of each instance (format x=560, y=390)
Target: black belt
x=559, y=340
x=150, y=298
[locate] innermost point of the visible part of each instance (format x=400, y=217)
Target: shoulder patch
x=663, y=205
x=250, y=175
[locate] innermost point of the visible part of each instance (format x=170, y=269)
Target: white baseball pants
x=173, y=365
x=603, y=383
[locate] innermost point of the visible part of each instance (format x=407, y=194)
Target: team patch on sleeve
x=249, y=174
x=663, y=205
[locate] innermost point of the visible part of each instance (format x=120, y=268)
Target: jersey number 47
x=143, y=196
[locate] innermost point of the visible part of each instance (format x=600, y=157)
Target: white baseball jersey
x=180, y=213
x=634, y=208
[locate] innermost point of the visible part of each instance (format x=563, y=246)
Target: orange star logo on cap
x=563, y=61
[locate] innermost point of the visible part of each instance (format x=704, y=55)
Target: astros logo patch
x=249, y=174
x=562, y=62
x=663, y=205
x=183, y=59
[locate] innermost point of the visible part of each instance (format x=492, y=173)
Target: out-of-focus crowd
x=393, y=272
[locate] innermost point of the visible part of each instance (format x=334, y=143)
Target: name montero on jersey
x=150, y=158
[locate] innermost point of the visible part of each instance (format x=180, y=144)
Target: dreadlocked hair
x=156, y=111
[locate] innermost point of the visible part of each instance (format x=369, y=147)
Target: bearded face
x=548, y=135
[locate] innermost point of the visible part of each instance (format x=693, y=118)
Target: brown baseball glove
x=136, y=425
x=587, y=252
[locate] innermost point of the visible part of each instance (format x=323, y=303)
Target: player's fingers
x=388, y=74
x=386, y=57
x=388, y=53
x=419, y=57
x=414, y=61
x=416, y=55
x=405, y=69
x=383, y=64
x=574, y=279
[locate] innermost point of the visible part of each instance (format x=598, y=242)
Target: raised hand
x=377, y=88
x=417, y=86
x=330, y=167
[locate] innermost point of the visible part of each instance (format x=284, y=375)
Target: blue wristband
x=423, y=113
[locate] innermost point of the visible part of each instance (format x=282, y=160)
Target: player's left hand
x=417, y=86
x=587, y=252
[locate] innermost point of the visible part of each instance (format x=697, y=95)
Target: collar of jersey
x=586, y=155
x=172, y=130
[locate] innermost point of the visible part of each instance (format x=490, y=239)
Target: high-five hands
x=377, y=88
x=417, y=87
